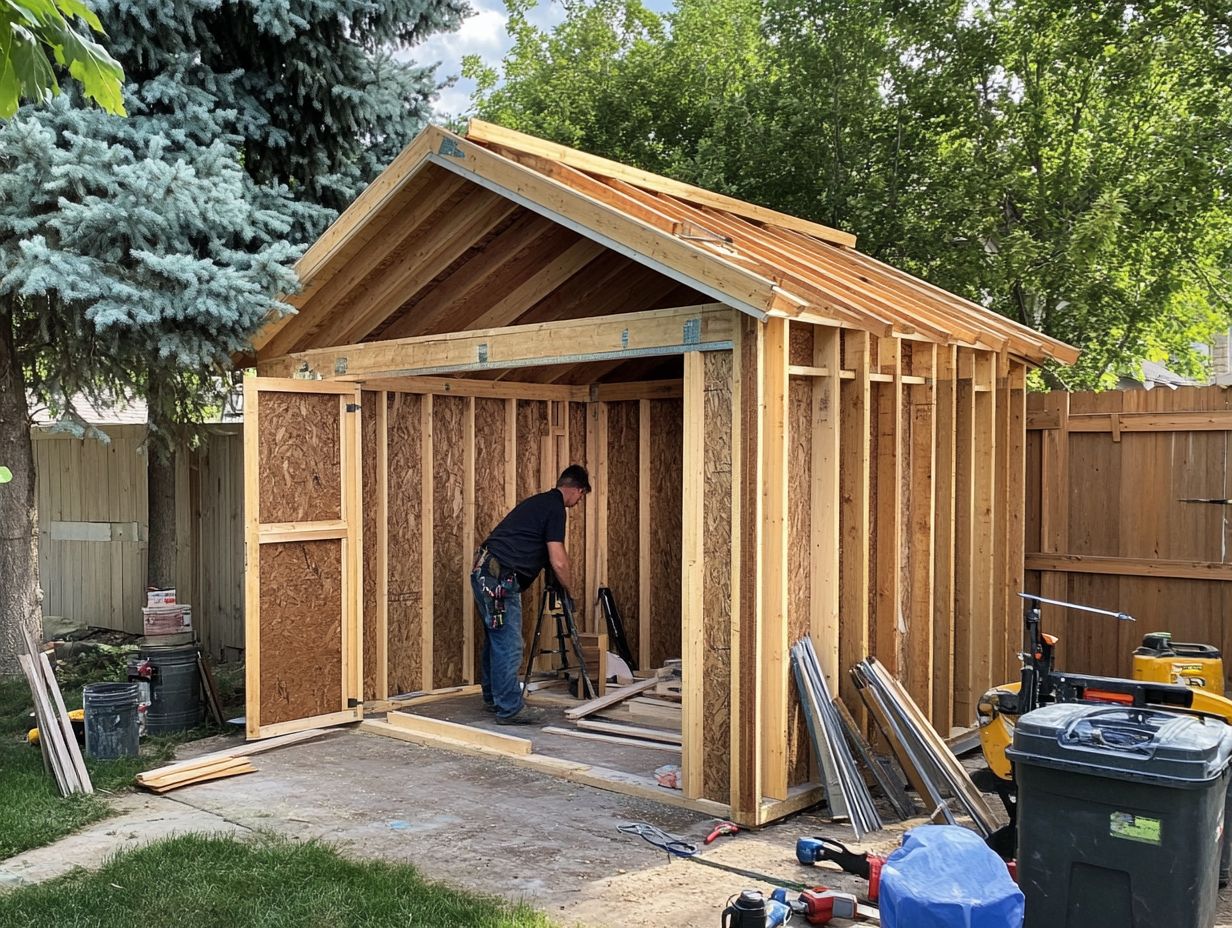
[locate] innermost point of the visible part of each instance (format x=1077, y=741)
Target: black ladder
x=555, y=601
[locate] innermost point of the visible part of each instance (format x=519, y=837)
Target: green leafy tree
x=138, y=256
x=33, y=30
x=1063, y=163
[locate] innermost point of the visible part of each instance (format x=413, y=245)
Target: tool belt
x=497, y=581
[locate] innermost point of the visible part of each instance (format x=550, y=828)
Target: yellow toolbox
x=1162, y=660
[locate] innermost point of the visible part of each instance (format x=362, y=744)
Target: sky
x=483, y=33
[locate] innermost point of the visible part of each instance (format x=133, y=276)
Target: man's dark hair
x=574, y=476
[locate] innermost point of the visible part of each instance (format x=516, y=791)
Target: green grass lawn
x=194, y=881
x=32, y=813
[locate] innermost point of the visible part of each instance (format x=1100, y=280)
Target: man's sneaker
x=489, y=707
x=527, y=715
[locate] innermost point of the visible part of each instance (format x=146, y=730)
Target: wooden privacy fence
x=93, y=530
x=1125, y=512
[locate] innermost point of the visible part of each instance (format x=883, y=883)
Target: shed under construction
x=785, y=436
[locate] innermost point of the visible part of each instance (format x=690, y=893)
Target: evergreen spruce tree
x=139, y=255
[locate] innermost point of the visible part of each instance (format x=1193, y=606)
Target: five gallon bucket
x=175, y=688
x=111, y=719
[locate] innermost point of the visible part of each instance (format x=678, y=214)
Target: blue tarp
x=946, y=877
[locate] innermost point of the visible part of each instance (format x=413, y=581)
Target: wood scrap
x=610, y=698
x=658, y=712
x=630, y=731
x=211, y=688
x=49, y=733
x=203, y=773
x=66, y=726
x=612, y=739
x=241, y=750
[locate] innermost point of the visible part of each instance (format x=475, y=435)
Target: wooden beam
x=469, y=671
x=528, y=239
x=889, y=465
x=855, y=426
x=918, y=666
x=692, y=634
x=438, y=247
x=643, y=530
x=601, y=502
x=646, y=390
x=382, y=546
x=663, y=331
x=458, y=386
x=825, y=499
x=746, y=727
x=551, y=275
x=489, y=133
x=773, y=588
x=426, y=529
x=1016, y=495
x=983, y=571
x=689, y=263
x=495, y=741
x=945, y=395
x=1129, y=566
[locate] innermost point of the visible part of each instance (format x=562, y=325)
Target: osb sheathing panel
x=575, y=543
x=666, y=474
x=800, y=344
x=717, y=555
x=622, y=516
x=301, y=629
x=799, y=558
x=371, y=511
x=448, y=468
x=532, y=425
x=489, y=478
x=404, y=548
x=300, y=457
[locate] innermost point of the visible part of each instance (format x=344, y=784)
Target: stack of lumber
x=628, y=715
x=931, y=767
x=61, y=754
x=217, y=765
x=187, y=773
x=846, y=792
x=594, y=657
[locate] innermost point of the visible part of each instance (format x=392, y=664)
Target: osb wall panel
x=800, y=344
x=448, y=468
x=799, y=558
x=301, y=630
x=370, y=511
x=666, y=474
x=489, y=479
x=404, y=549
x=532, y=425
x=622, y=516
x=717, y=560
x=575, y=542
x=300, y=457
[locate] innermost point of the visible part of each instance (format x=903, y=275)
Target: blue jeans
x=501, y=656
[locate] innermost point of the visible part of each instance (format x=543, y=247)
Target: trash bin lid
x=1124, y=742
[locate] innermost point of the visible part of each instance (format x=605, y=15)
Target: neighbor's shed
x=785, y=437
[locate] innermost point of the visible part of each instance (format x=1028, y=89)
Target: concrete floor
x=472, y=822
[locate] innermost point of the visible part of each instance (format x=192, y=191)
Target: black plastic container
x=1120, y=816
x=111, y=720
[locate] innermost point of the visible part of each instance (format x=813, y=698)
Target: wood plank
x=573, y=260
x=855, y=428
x=469, y=671
x=610, y=698
x=630, y=731
x=644, y=390
x=1129, y=566
x=825, y=502
x=428, y=559
x=966, y=619
x=692, y=566
x=774, y=569
x=49, y=731
x=490, y=133
x=459, y=386
x=628, y=335
x=612, y=739
x=888, y=639
x=381, y=628
x=942, y=657
x=918, y=666
x=984, y=572
x=72, y=750
x=644, y=582
x=252, y=559
x=495, y=741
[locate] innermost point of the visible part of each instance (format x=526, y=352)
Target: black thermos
x=748, y=911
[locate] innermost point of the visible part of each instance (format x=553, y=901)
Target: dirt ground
x=473, y=822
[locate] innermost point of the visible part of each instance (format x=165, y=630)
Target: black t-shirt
x=521, y=539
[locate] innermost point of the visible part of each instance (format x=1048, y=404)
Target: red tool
x=815, y=850
x=723, y=828
x=820, y=905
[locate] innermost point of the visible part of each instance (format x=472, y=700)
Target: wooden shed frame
x=850, y=444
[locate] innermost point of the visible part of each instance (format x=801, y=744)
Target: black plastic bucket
x=111, y=720
x=175, y=688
